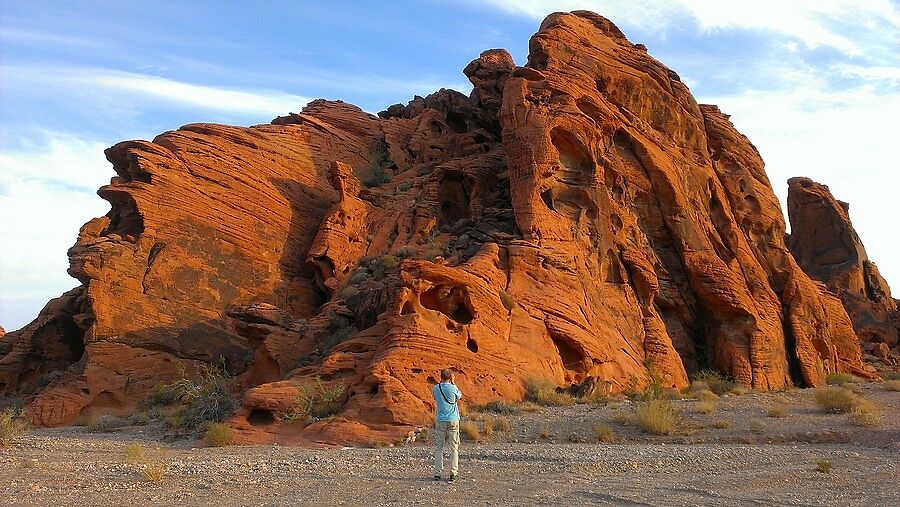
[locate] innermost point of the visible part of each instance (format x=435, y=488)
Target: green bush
x=316, y=399
x=379, y=161
x=380, y=266
x=507, y=300
x=203, y=399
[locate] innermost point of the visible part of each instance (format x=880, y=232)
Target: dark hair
x=446, y=374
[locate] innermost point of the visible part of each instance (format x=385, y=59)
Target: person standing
x=446, y=426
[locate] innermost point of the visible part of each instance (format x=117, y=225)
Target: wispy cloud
x=815, y=23
x=242, y=101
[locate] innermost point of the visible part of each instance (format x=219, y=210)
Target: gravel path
x=699, y=465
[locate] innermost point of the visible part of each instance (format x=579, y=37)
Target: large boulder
x=579, y=219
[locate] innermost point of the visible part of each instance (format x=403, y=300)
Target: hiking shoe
x=437, y=477
x=452, y=477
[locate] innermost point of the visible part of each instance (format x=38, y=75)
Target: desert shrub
x=716, y=382
x=622, y=417
x=12, y=426
x=154, y=472
x=106, y=423
x=138, y=419
x=436, y=248
x=890, y=375
x=892, y=385
x=543, y=392
x=470, y=430
x=507, y=300
x=824, y=466
x=707, y=396
x=835, y=399
x=839, y=379
x=406, y=185
x=738, y=390
x=605, y=434
x=380, y=266
x=707, y=407
x=777, y=411
x=218, y=435
x=722, y=424
x=204, y=399
x=864, y=413
x=134, y=452
x=424, y=434
x=406, y=252
x=499, y=407
x=757, y=426
x=360, y=275
x=316, y=399
x=656, y=416
x=380, y=159
x=500, y=424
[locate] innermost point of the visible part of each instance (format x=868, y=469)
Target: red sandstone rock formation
x=579, y=218
x=826, y=245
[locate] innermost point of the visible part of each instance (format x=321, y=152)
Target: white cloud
x=46, y=194
x=813, y=22
x=242, y=101
x=843, y=139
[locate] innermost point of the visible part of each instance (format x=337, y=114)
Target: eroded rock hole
x=574, y=157
x=457, y=122
x=571, y=354
x=260, y=417
x=453, y=194
x=124, y=217
x=452, y=301
x=472, y=345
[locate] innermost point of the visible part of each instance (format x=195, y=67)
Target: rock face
x=826, y=245
x=580, y=219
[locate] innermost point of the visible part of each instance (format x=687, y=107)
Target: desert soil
x=548, y=458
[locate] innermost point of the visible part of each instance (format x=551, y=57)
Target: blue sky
x=814, y=84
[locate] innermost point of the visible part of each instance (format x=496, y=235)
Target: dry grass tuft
x=218, y=435
x=757, y=426
x=722, y=424
x=706, y=396
x=543, y=392
x=738, y=390
x=470, y=430
x=493, y=424
x=656, y=416
x=839, y=379
x=824, y=466
x=12, y=426
x=707, y=407
x=892, y=385
x=716, y=382
x=778, y=411
x=107, y=423
x=134, y=452
x=605, y=434
x=865, y=413
x=155, y=472
x=835, y=400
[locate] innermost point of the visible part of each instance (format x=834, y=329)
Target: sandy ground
x=548, y=458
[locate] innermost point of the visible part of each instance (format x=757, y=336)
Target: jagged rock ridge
x=580, y=218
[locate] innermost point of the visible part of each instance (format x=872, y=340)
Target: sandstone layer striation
x=580, y=219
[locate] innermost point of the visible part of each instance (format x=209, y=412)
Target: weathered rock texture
x=580, y=219
x=826, y=245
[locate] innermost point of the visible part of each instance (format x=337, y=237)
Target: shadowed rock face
x=826, y=245
x=581, y=219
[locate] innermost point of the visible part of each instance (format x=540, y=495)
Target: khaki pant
x=446, y=431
